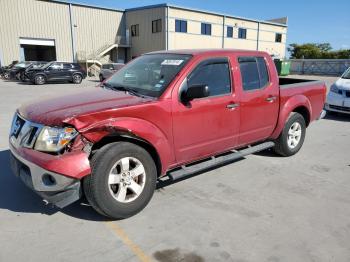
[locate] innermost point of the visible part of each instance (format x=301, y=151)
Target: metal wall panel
x=146, y=41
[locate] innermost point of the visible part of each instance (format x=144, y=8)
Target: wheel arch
x=299, y=104
x=122, y=137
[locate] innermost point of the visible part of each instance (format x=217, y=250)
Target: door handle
x=232, y=106
x=271, y=99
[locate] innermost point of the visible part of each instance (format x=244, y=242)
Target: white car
x=338, y=99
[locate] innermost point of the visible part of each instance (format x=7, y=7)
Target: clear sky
x=315, y=21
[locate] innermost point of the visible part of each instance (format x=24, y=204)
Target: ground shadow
x=337, y=117
x=16, y=197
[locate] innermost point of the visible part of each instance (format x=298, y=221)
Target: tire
x=77, y=78
x=105, y=194
x=6, y=76
x=292, y=136
x=101, y=78
x=39, y=80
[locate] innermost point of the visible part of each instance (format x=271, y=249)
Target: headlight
x=53, y=139
x=335, y=89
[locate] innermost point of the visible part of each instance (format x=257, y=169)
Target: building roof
x=278, y=22
x=271, y=22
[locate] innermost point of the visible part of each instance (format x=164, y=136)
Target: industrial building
x=62, y=31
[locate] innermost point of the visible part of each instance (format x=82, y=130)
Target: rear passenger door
x=259, y=102
x=54, y=71
x=67, y=71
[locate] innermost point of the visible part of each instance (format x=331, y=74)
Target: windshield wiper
x=122, y=88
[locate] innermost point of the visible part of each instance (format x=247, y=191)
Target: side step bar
x=218, y=161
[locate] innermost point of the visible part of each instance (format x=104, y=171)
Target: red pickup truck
x=164, y=114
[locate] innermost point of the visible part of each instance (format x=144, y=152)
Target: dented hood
x=58, y=110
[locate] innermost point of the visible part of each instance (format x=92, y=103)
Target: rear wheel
x=77, y=78
x=122, y=181
x=292, y=137
x=39, y=80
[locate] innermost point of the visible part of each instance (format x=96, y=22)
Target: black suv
x=56, y=71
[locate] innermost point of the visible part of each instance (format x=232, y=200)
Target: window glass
x=149, y=74
x=67, y=66
x=249, y=73
x=205, y=29
x=229, y=31
x=278, y=38
x=254, y=72
x=180, y=26
x=57, y=66
x=204, y=74
x=157, y=26
x=105, y=66
x=263, y=73
x=242, y=33
x=135, y=30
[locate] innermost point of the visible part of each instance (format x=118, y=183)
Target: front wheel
x=122, y=181
x=39, y=80
x=292, y=137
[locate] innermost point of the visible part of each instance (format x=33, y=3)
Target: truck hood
x=59, y=110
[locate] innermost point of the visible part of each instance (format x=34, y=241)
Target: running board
x=217, y=161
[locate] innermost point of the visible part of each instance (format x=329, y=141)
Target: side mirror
x=195, y=91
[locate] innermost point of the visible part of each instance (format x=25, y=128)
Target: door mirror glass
x=195, y=91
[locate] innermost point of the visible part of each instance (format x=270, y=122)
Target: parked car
x=181, y=107
x=33, y=65
x=338, y=99
x=4, y=73
x=56, y=71
x=17, y=71
x=108, y=70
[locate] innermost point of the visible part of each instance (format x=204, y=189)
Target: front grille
x=23, y=132
x=341, y=108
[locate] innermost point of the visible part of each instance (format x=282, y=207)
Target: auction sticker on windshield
x=175, y=62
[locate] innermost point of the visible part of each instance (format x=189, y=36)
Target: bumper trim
x=61, y=193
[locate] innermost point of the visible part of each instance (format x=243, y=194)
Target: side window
x=278, y=38
x=56, y=66
x=214, y=73
x=254, y=72
x=157, y=26
x=230, y=31
x=135, y=30
x=67, y=66
x=242, y=33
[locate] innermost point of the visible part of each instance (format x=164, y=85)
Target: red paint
x=178, y=133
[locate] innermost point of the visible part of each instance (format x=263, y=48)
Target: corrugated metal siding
x=146, y=41
x=96, y=28
x=34, y=19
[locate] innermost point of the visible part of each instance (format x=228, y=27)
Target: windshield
x=22, y=65
x=346, y=75
x=149, y=74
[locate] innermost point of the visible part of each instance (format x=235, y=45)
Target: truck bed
x=287, y=82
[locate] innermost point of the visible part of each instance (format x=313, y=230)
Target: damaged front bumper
x=38, y=174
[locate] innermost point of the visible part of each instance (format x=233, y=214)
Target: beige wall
x=33, y=19
x=96, y=28
x=194, y=39
x=146, y=41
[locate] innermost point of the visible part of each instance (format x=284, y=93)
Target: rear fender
x=136, y=128
x=289, y=106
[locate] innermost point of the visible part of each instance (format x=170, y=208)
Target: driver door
x=208, y=125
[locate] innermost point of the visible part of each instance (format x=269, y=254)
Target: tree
x=317, y=51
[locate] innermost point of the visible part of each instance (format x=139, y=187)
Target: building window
x=242, y=33
x=205, y=29
x=278, y=38
x=157, y=26
x=135, y=30
x=229, y=31
x=181, y=26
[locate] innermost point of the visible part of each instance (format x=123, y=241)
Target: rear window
x=254, y=73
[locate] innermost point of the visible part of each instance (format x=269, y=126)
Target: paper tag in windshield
x=175, y=62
